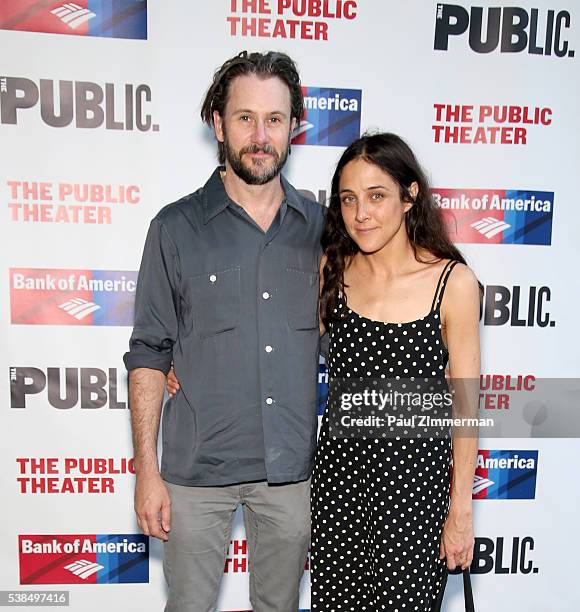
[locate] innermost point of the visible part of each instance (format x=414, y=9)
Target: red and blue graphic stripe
x=101, y=18
x=118, y=19
x=122, y=567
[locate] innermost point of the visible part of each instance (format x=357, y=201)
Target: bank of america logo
x=331, y=117
x=480, y=484
x=490, y=227
x=303, y=127
x=83, y=568
x=73, y=14
x=79, y=308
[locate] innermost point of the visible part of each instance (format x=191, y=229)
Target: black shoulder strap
x=442, y=283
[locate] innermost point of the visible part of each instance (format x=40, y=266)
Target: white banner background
x=387, y=52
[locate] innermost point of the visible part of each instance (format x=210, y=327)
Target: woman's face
x=371, y=205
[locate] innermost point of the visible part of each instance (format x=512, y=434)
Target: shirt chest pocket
x=302, y=301
x=215, y=301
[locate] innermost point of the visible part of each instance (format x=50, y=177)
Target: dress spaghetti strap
x=441, y=284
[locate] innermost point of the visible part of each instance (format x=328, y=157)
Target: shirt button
x=269, y=401
x=265, y=295
x=212, y=278
x=268, y=349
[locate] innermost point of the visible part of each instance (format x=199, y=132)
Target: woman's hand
x=457, y=540
x=172, y=383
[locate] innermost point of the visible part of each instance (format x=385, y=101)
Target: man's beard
x=258, y=172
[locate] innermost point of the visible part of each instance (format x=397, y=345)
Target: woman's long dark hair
x=423, y=221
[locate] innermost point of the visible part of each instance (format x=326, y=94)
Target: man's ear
x=218, y=126
x=293, y=125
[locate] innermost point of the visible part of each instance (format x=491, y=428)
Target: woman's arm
x=460, y=314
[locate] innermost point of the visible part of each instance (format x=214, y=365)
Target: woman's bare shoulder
x=462, y=287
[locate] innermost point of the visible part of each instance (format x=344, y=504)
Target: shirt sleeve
x=156, y=304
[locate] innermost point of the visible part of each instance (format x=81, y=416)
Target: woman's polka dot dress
x=379, y=505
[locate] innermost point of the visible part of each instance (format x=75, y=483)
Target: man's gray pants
x=277, y=521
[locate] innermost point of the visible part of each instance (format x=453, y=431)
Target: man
x=227, y=291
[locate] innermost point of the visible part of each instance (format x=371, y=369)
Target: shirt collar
x=294, y=199
x=216, y=199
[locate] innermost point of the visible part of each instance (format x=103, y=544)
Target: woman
x=382, y=523
x=398, y=302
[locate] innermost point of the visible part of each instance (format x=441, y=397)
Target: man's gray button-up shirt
x=236, y=310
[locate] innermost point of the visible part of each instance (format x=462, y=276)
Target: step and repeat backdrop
x=100, y=128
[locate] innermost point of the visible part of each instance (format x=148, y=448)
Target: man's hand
x=153, y=506
x=172, y=384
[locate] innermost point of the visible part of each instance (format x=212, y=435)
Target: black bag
x=467, y=592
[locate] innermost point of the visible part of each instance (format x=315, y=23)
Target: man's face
x=256, y=127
